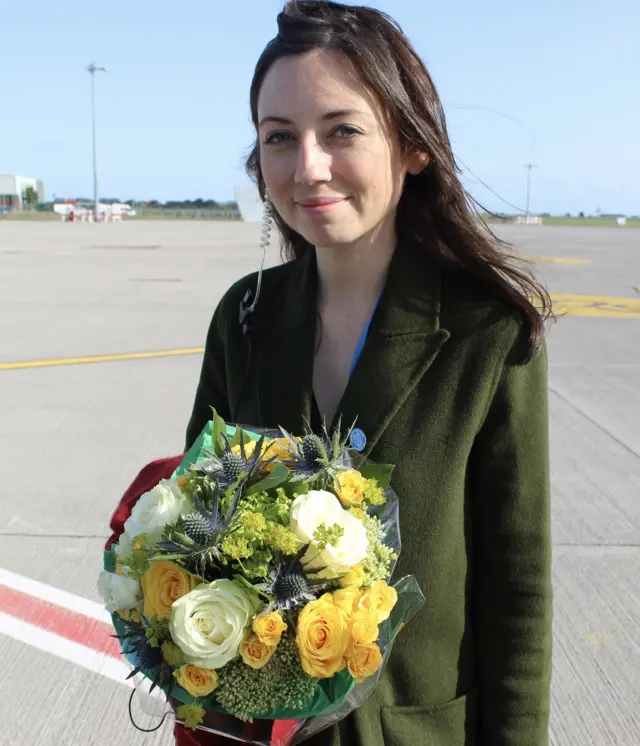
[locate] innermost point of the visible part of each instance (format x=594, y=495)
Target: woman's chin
x=330, y=237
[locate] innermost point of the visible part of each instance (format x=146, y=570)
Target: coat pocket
x=450, y=724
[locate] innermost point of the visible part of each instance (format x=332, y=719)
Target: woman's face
x=331, y=162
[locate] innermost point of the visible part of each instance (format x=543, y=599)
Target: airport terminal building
x=13, y=189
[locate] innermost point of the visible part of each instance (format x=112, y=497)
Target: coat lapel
x=285, y=344
x=403, y=341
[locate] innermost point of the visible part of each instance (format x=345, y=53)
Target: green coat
x=437, y=393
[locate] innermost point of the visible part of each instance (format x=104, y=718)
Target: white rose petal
x=118, y=591
x=209, y=624
x=124, y=549
x=154, y=510
x=318, y=507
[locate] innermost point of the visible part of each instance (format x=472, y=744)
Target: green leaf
x=219, y=426
x=279, y=474
x=168, y=557
x=235, y=441
x=183, y=539
x=380, y=472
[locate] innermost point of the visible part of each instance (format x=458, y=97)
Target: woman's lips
x=320, y=205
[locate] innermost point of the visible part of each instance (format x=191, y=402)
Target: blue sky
x=173, y=113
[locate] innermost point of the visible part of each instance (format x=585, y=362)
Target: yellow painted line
x=558, y=260
x=101, y=358
x=571, y=305
x=597, y=305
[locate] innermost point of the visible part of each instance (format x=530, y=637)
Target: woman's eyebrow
x=325, y=118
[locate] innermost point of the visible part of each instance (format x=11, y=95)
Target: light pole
x=93, y=69
x=529, y=167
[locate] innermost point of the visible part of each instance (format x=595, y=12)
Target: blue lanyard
x=363, y=338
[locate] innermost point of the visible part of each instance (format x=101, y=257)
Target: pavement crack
x=564, y=545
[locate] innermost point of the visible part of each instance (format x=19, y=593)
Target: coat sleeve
x=512, y=598
x=212, y=386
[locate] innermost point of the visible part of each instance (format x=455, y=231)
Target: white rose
x=209, y=624
x=154, y=510
x=318, y=507
x=124, y=549
x=118, y=591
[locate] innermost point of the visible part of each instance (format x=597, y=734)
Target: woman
x=399, y=308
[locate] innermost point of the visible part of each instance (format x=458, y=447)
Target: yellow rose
x=269, y=628
x=364, y=661
x=198, y=682
x=347, y=599
x=364, y=628
x=255, y=653
x=182, y=482
x=354, y=578
x=379, y=600
x=249, y=448
x=162, y=584
x=279, y=447
x=322, y=638
x=352, y=488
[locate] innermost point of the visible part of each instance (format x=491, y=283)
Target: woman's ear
x=417, y=162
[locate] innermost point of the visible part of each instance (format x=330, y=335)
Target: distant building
x=12, y=191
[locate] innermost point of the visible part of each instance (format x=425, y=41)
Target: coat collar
x=404, y=339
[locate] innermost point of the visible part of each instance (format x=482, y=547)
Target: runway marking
x=54, y=621
x=557, y=260
x=73, y=652
x=69, y=625
x=572, y=305
x=101, y=358
x=56, y=596
x=597, y=305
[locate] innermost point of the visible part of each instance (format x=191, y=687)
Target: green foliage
x=281, y=683
x=192, y=715
x=374, y=494
x=157, y=631
x=31, y=196
x=380, y=472
x=137, y=563
x=379, y=556
x=172, y=654
x=325, y=536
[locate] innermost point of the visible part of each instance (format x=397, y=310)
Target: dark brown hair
x=434, y=210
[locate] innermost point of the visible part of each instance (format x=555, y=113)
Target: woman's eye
x=347, y=131
x=276, y=138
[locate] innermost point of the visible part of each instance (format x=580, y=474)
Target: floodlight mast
x=93, y=69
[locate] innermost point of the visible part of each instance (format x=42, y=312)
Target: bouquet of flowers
x=253, y=586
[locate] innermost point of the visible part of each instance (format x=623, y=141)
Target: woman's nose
x=314, y=163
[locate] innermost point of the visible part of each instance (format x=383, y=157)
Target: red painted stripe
x=68, y=624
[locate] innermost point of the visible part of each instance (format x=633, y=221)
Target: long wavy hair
x=435, y=211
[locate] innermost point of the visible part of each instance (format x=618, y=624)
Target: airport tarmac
x=102, y=328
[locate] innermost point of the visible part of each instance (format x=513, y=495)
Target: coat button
x=358, y=440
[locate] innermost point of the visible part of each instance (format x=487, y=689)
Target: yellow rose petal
x=198, y=682
x=269, y=628
x=352, y=488
x=363, y=627
x=355, y=577
x=322, y=638
x=162, y=584
x=255, y=653
x=364, y=661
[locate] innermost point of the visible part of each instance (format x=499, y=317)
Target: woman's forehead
x=314, y=85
